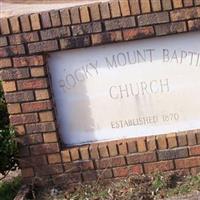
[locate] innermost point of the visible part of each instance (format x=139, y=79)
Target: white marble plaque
x=130, y=89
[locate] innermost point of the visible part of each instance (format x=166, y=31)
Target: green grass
x=8, y=190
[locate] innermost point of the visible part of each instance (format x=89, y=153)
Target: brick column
x=29, y=101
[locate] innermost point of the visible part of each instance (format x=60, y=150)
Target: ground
x=137, y=187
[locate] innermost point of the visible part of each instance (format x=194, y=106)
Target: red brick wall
x=25, y=42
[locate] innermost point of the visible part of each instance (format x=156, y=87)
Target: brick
x=110, y=162
x=120, y=172
x=20, y=130
x=65, y=17
x=141, y=145
x=4, y=52
x=46, y=116
x=31, y=139
x=16, y=97
x=89, y=176
x=124, y=5
x=67, y=178
x=4, y=27
x=93, y=27
x=112, y=148
x=118, y=161
x=135, y=169
x=84, y=153
x=171, y=140
x=169, y=154
x=106, y=37
x=151, y=143
x=137, y=158
x=55, y=18
x=132, y=146
x=13, y=74
x=14, y=24
x=122, y=148
x=50, y=137
x=94, y=154
x=27, y=172
x=40, y=127
x=75, y=42
x=49, y=170
x=166, y=29
x=9, y=51
x=94, y=11
x=195, y=171
x=195, y=150
x=177, y=3
x=23, y=38
x=78, y=166
x=187, y=3
x=183, y=14
x=115, y=9
x=54, y=158
x=25, y=23
x=156, y=5
x=23, y=119
x=45, y=46
x=9, y=86
x=84, y=13
x=153, y=18
x=194, y=25
x=104, y=174
x=39, y=83
x=3, y=41
x=125, y=171
x=45, y=19
x=145, y=6
x=119, y=23
x=35, y=21
x=75, y=18
x=134, y=7
x=65, y=156
x=103, y=163
x=24, y=151
x=74, y=154
x=103, y=150
x=105, y=10
x=33, y=161
x=137, y=33
x=55, y=33
x=37, y=72
x=42, y=94
x=14, y=108
x=191, y=137
x=167, y=4
x=198, y=137
x=40, y=149
x=182, y=139
x=197, y=2
x=28, y=61
x=5, y=63
x=161, y=142
x=36, y=106
x=158, y=166
x=187, y=163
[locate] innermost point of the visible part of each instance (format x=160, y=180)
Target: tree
x=8, y=144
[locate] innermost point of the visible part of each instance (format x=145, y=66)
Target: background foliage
x=8, y=144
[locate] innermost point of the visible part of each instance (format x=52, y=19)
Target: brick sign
x=127, y=90
x=94, y=91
